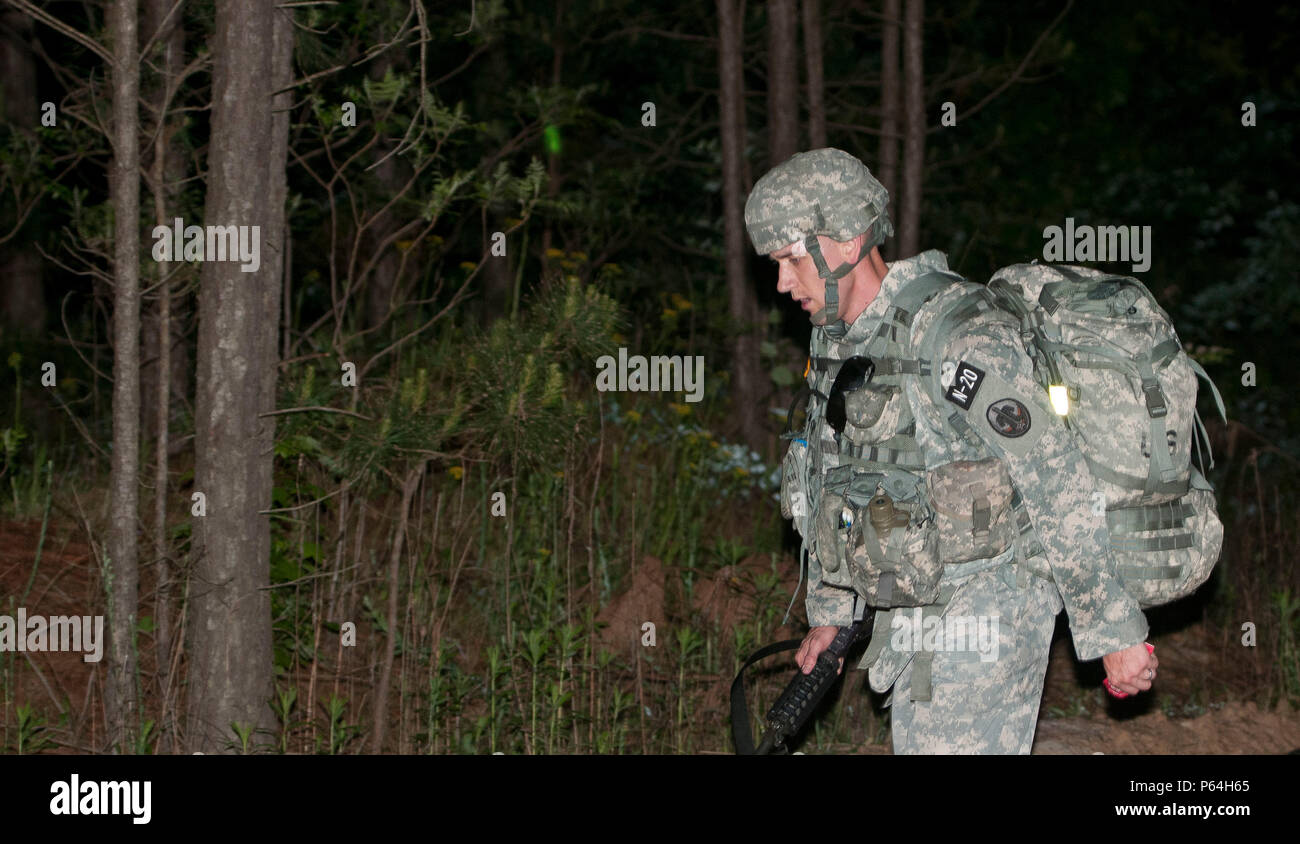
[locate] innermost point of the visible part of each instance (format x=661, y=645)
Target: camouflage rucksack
x=1109, y=358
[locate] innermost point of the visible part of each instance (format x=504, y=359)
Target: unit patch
x=1009, y=417
x=965, y=384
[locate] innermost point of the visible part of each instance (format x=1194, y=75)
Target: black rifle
x=796, y=704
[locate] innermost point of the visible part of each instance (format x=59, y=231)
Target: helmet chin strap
x=830, y=317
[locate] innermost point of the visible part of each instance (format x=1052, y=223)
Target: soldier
x=935, y=517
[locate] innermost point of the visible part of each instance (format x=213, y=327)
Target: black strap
x=740, y=731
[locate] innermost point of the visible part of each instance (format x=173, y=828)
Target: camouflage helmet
x=821, y=192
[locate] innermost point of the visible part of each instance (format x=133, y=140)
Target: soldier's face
x=797, y=275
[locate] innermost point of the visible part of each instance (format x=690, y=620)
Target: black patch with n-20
x=965, y=384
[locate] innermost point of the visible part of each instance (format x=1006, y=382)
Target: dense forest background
x=368, y=498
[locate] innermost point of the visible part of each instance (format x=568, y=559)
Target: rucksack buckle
x=1156, y=406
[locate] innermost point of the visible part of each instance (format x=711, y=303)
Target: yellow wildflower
x=468, y=265
x=578, y=256
x=554, y=253
x=632, y=416
x=456, y=472
x=682, y=409
x=669, y=313
x=681, y=303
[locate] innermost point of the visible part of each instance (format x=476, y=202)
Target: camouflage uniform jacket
x=1055, y=488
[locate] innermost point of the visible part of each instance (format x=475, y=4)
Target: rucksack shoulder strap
x=919, y=290
x=888, y=345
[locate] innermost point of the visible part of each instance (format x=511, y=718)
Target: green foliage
x=1287, y=608
x=284, y=703
x=523, y=408
x=30, y=736
x=146, y=739
x=243, y=737
x=340, y=733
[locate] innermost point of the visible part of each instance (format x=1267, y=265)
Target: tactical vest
x=874, y=516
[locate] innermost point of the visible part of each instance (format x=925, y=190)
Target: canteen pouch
x=1165, y=551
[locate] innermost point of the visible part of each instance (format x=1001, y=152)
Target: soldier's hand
x=1131, y=670
x=817, y=640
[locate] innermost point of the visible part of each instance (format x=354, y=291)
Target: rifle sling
x=740, y=730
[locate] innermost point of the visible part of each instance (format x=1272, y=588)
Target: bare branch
x=54, y=23
x=315, y=408
x=1016, y=74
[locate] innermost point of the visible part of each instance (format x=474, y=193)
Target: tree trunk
x=22, y=303
x=812, y=40
x=552, y=159
x=121, y=573
x=230, y=614
x=782, y=81
x=167, y=171
x=887, y=171
x=747, y=394
x=383, y=278
x=498, y=280
x=909, y=227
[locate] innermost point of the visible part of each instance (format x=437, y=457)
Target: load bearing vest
x=875, y=519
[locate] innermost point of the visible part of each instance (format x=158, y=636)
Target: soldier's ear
x=849, y=248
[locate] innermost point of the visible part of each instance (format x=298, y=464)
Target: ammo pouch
x=876, y=534
x=1165, y=551
x=972, y=504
